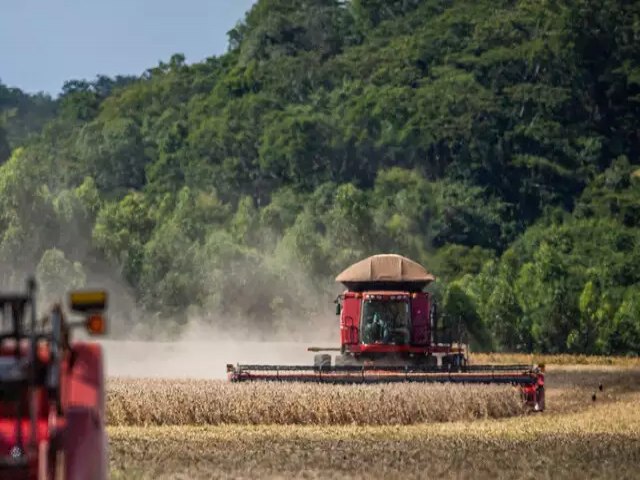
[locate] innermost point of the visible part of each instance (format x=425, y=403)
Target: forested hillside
x=497, y=142
x=21, y=115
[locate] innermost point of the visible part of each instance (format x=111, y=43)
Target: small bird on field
x=600, y=387
x=593, y=397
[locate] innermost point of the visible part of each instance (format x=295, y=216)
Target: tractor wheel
x=322, y=361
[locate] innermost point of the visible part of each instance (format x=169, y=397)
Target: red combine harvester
x=389, y=333
x=51, y=390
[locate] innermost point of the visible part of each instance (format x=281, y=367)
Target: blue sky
x=45, y=42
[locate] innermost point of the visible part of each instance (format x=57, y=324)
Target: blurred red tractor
x=52, y=415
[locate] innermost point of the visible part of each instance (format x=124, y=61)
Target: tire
x=424, y=361
x=430, y=361
x=322, y=361
x=345, y=360
x=457, y=361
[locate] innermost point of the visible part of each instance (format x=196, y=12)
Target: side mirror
x=338, y=308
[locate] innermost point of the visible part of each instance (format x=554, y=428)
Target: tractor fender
x=85, y=441
x=84, y=445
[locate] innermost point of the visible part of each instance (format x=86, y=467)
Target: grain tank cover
x=385, y=272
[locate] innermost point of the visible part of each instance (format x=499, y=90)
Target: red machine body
x=52, y=401
x=419, y=339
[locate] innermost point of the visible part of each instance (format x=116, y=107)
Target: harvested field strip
x=599, y=442
x=569, y=388
x=212, y=402
x=560, y=359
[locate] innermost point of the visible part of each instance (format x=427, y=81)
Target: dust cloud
x=201, y=342
x=141, y=344
x=196, y=359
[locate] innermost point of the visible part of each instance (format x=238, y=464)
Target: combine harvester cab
x=52, y=409
x=389, y=333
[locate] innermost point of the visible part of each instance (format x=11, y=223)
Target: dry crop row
x=212, y=402
x=553, y=359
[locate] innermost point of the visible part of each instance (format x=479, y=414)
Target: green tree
x=57, y=275
x=625, y=335
x=461, y=319
x=121, y=232
x=495, y=142
x=168, y=271
x=5, y=149
x=114, y=153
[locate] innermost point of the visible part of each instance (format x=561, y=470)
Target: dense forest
x=497, y=142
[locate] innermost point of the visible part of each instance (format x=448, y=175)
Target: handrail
x=31, y=292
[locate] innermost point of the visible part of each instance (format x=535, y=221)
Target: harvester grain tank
x=52, y=408
x=389, y=333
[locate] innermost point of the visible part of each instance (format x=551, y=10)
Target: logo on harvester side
x=16, y=452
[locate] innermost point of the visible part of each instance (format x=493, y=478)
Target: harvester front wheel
x=345, y=360
x=322, y=361
x=456, y=360
x=428, y=361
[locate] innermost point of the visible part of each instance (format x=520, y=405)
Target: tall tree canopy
x=497, y=142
